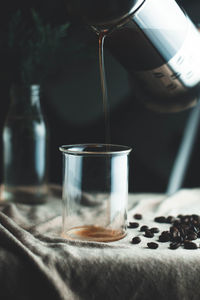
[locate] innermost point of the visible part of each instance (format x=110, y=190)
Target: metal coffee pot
x=155, y=41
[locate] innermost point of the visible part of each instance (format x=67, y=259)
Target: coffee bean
x=173, y=229
x=148, y=233
x=182, y=232
x=160, y=219
x=177, y=239
x=170, y=219
x=195, y=229
x=185, y=220
x=144, y=228
x=133, y=225
x=175, y=235
x=174, y=246
x=165, y=232
x=192, y=236
x=180, y=216
x=154, y=229
x=196, y=218
x=152, y=245
x=137, y=216
x=165, y=237
x=177, y=223
x=136, y=240
x=190, y=231
x=190, y=245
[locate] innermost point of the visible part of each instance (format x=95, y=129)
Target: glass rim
x=75, y=149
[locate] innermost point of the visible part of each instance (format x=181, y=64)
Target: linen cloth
x=37, y=263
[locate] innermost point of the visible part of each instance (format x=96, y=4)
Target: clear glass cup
x=95, y=191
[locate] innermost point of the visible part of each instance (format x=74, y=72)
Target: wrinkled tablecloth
x=36, y=263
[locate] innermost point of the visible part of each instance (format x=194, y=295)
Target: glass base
x=94, y=233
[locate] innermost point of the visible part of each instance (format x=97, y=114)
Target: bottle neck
x=25, y=100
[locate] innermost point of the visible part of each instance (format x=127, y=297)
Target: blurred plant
x=28, y=48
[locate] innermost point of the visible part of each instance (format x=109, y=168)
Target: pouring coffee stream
x=102, y=36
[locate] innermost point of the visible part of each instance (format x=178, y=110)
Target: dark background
x=72, y=103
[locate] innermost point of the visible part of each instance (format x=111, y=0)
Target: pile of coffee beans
x=182, y=232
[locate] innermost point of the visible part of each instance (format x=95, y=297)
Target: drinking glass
x=95, y=191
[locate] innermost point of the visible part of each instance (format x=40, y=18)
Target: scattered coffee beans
x=174, y=245
x=192, y=236
x=183, y=230
x=160, y=219
x=165, y=237
x=144, y=228
x=152, y=245
x=137, y=216
x=154, y=229
x=136, y=240
x=190, y=245
x=170, y=219
x=133, y=225
x=148, y=233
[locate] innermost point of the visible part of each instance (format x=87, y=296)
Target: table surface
x=36, y=262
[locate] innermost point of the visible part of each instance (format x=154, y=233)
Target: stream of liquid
x=102, y=36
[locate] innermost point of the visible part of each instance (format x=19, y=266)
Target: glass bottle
x=25, y=138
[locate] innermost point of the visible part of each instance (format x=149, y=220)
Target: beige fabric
x=36, y=263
